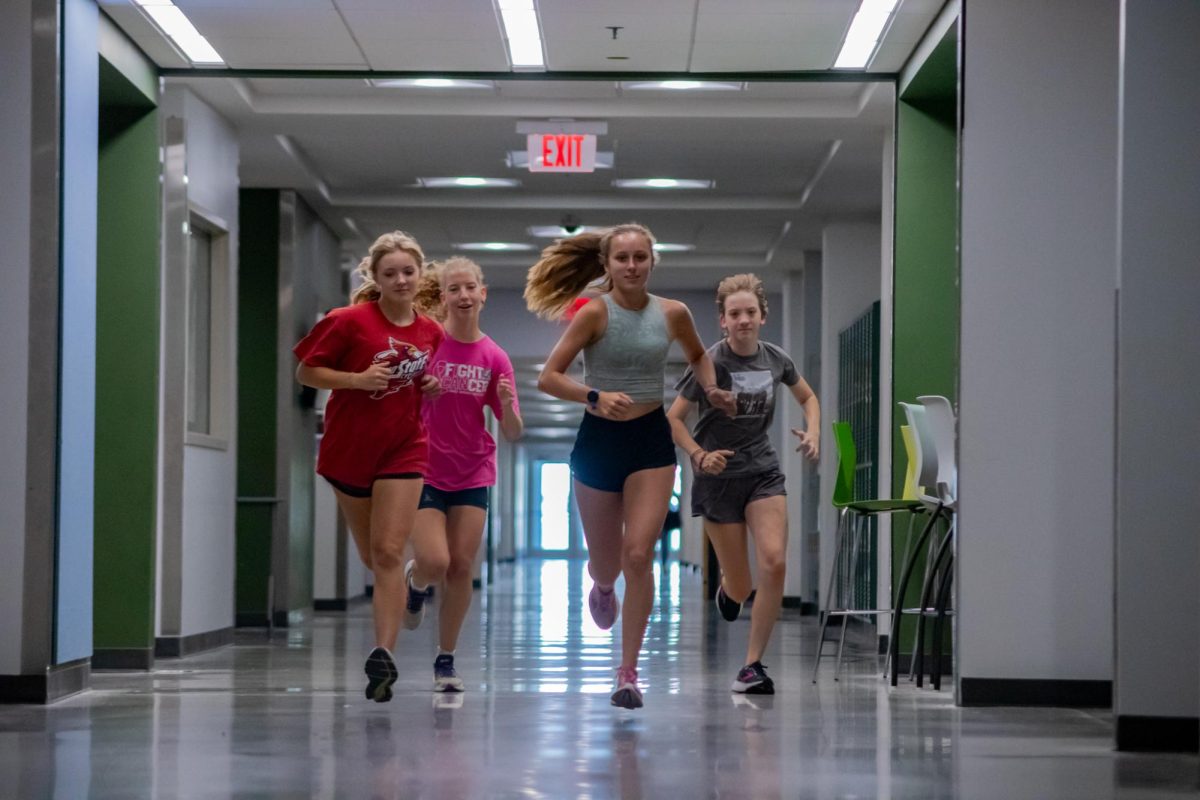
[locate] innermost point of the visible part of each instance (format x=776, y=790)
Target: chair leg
x=943, y=598
x=823, y=613
x=926, y=602
x=901, y=589
x=855, y=523
x=912, y=520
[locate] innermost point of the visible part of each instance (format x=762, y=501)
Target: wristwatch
x=593, y=397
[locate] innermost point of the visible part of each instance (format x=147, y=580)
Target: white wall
x=209, y=475
x=849, y=285
x=1158, y=541
x=1036, y=408
x=16, y=99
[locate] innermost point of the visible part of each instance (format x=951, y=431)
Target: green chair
x=852, y=532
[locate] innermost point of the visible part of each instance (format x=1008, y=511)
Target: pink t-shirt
x=462, y=454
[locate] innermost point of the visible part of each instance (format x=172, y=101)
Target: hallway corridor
x=285, y=717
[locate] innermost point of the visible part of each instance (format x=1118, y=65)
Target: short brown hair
x=745, y=282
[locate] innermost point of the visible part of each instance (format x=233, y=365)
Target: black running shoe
x=445, y=679
x=381, y=674
x=414, y=609
x=752, y=679
x=728, y=608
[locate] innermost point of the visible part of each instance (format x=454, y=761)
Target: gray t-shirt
x=753, y=381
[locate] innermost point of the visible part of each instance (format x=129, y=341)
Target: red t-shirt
x=362, y=428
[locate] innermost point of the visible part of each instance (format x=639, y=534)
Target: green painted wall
x=127, y=336
x=258, y=317
x=926, y=291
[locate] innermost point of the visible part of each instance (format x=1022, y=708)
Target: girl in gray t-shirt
x=738, y=484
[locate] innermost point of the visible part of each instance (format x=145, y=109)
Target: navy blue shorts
x=607, y=452
x=433, y=497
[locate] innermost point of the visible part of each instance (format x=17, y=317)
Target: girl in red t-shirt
x=374, y=451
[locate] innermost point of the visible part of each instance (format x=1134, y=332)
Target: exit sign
x=562, y=152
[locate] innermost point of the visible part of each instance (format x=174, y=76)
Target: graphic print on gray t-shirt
x=753, y=380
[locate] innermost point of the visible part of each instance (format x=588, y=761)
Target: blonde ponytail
x=569, y=266
x=428, y=299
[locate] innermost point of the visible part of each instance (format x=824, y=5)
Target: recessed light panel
x=468, y=182
x=862, y=38
x=175, y=25
x=662, y=183
x=495, y=247
x=685, y=86
x=429, y=83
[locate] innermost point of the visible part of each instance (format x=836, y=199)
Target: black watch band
x=593, y=397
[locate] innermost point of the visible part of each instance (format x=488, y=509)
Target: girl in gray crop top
x=624, y=460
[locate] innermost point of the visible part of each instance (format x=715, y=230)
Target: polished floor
x=285, y=717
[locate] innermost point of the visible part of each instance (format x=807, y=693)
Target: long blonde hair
x=569, y=266
x=396, y=241
x=430, y=291
x=745, y=282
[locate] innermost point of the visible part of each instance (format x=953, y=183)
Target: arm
x=511, y=424
x=707, y=462
x=810, y=437
x=683, y=329
x=587, y=326
x=373, y=378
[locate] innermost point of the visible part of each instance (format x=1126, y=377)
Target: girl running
x=373, y=355
x=473, y=372
x=623, y=461
x=738, y=483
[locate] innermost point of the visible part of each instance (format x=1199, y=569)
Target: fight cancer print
x=470, y=379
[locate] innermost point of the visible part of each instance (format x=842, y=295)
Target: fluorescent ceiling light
x=558, y=231
x=496, y=247
x=864, y=33
x=668, y=247
x=662, y=183
x=467, y=181
x=429, y=83
x=175, y=25
x=522, y=33
x=519, y=159
x=701, y=86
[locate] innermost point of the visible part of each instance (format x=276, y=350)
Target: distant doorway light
x=862, y=39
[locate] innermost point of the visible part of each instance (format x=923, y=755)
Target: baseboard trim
x=56, y=683
x=1035, y=692
x=123, y=658
x=807, y=607
x=331, y=604
x=1138, y=734
x=180, y=646
x=250, y=619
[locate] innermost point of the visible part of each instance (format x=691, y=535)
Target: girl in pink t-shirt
x=474, y=372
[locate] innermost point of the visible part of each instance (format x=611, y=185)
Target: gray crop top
x=631, y=354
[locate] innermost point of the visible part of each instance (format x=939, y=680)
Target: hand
x=374, y=378
x=430, y=385
x=504, y=388
x=721, y=399
x=614, y=405
x=713, y=462
x=810, y=444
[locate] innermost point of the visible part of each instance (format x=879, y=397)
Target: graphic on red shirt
x=406, y=362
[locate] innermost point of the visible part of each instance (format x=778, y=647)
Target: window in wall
x=199, y=333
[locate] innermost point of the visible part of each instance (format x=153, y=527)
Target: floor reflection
x=284, y=716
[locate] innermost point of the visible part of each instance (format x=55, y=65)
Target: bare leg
x=464, y=532
x=357, y=513
x=647, y=493
x=602, y=529
x=429, y=547
x=393, y=507
x=729, y=541
x=767, y=519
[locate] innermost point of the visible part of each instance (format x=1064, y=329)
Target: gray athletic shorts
x=725, y=499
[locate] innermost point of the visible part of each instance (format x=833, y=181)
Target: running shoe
x=381, y=674
x=752, y=679
x=445, y=679
x=728, y=608
x=414, y=609
x=604, y=607
x=627, y=694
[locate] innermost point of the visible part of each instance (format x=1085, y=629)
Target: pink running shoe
x=604, y=607
x=627, y=694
